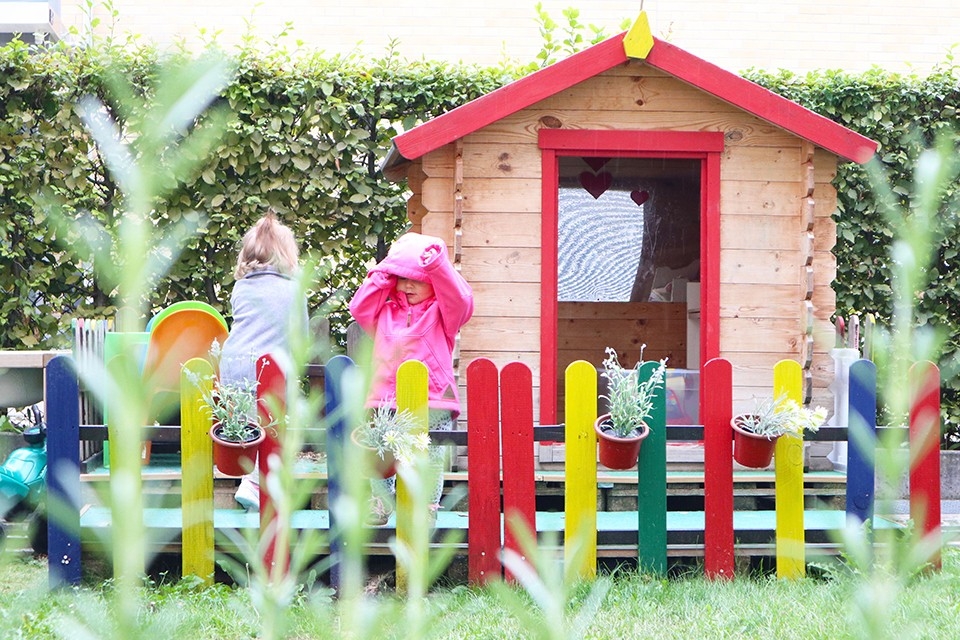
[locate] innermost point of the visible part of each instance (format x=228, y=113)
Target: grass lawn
x=636, y=606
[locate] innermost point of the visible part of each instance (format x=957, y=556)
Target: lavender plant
x=629, y=401
x=232, y=405
x=394, y=432
x=774, y=417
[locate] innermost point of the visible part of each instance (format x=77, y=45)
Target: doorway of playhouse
x=628, y=269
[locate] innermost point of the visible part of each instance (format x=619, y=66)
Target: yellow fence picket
x=788, y=464
x=197, y=469
x=580, y=500
x=412, y=396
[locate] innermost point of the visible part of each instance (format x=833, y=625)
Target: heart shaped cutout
x=639, y=196
x=596, y=184
x=596, y=163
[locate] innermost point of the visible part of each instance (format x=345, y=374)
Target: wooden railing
x=500, y=418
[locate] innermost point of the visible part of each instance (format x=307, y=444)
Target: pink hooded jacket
x=425, y=331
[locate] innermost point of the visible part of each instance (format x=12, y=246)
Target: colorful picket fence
x=500, y=419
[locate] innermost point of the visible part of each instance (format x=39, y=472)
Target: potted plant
x=755, y=434
x=236, y=431
x=390, y=438
x=621, y=431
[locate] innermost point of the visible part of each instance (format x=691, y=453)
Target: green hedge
x=306, y=137
x=905, y=115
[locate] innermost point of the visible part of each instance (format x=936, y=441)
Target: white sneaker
x=248, y=495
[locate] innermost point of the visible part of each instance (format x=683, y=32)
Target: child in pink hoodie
x=414, y=303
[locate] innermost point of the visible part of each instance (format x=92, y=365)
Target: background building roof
x=799, y=35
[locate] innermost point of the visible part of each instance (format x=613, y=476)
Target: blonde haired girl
x=266, y=303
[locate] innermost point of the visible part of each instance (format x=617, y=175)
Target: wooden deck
x=616, y=529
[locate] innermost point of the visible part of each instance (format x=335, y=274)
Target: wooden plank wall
x=500, y=250
x=586, y=329
x=763, y=264
x=764, y=268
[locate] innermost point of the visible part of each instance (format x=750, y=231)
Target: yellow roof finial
x=639, y=41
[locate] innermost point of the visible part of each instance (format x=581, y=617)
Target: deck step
x=616, y=531
x=617, y=490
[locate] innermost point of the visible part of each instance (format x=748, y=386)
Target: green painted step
x=607, y=521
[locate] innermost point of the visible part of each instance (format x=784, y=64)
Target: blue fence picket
x=335, y=371
x=63, y=472
x=861, y=440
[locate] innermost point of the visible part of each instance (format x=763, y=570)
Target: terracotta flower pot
x=235, y=458
x=618, y=453
x=385, y=467
x=749, y=449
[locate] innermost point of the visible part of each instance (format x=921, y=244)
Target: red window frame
x=555, y=143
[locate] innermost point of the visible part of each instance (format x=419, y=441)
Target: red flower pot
x=235, y=458
x=750, y=449
x=617, y=453
x=385, y=467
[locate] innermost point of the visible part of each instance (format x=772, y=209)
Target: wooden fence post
x=862, y=440
x=652, y=483
x=717, y=410
x=516, y=434
x=333, y=377
x=411, y=396
x=483, y=455
x=63, y=472
x=197, y=472
x=271, y=404
x=788, y=465
x=925, y=453
x=580, y=488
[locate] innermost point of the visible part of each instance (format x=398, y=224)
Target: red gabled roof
x=605, y=55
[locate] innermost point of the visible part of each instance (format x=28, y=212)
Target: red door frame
x=555, y=143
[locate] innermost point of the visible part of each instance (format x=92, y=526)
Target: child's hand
x=430, y=254
x=383, y=280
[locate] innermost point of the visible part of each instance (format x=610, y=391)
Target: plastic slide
x=195, y=305
x=176, y=337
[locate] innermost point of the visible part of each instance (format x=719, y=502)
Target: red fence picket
x=925, y=451
x=483, y=457
x=516, y=434
x=716, y=411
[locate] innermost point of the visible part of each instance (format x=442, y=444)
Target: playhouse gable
x=729, y=87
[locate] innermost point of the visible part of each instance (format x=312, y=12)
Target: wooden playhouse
x=635, y=194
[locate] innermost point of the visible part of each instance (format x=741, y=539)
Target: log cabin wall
x=625, y=326
x=586, y=329
x=770, y=255
x=824, y=270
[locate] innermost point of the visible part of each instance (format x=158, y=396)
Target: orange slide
x=178, y=334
